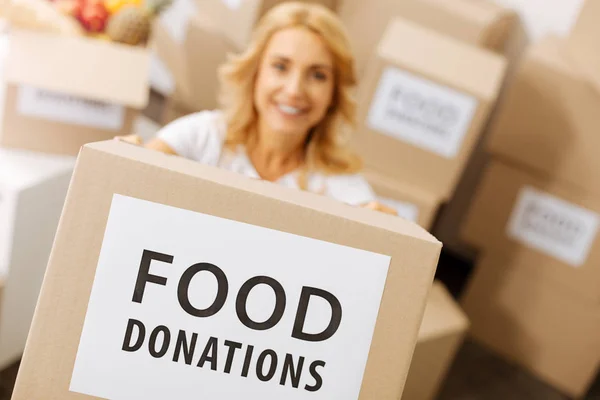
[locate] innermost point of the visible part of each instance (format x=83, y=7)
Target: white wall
x=544, y=16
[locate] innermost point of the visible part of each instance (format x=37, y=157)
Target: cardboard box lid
x=405, y=190
x=84, y=67
x=443, y=315
x=442, y=58
x=21, y=169
x=583, y=41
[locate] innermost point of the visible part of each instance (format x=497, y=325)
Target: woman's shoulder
x=350, y=188
x=197, y=134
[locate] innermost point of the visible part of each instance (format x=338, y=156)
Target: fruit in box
x=93, y=16
x=113, y=6
x=132, y=24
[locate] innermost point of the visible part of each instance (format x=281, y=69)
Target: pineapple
x=132, y=24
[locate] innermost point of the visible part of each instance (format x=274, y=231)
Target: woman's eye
x=320, y=76
x=279, y=66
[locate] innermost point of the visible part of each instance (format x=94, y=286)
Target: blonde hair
x=325, y=148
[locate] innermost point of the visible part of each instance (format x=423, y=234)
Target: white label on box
x=177, y=17
x=7, y=215
x=420, y=112
x=553, y=226
x=233, y=4
x=60, y=107
x=406, y=210
x=187, y=305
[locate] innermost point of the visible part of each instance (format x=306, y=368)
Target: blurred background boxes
x=583, y=41
x=549, y=120
x=480, y=23
x=32, y=192
x=424, y=100
x=236, y=18
x=442, y=332
x=534, y=322
x=64, y=91
x=411, y=203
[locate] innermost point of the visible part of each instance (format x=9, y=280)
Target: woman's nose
x=294, y=84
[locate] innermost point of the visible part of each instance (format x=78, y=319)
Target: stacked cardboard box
x=442, y=331
x=32, y=191
x=535, y=219
x=478, y=22
x=423, y=101
x=130, y=257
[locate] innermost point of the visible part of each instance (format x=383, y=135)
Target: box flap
x=442, y=58
x=317, y=202
x=443, y=315
x=89, y=68
x=583, y=41
x=404, y=189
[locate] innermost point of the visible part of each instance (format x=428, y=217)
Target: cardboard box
x=130, y=207
x=480, y=23
x=583, y=41
x=441, y=334
x=534, y=322
x=423, y=101
x=192, y=49
x=410, y=202
x=32, y=192
x=551, y=225
x=236, y=19
x=549, y=118
x=63, y=91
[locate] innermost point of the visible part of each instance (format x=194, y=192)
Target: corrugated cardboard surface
x=549, y=119
x=37, y=134
x=447, y=62
x=583, y=41
x=535, y=323
x=480, y=23
x=84, y=67
x=486, y=226
x=110, y=167
x=427, y=204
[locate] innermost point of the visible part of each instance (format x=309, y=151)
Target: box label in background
x=406, y=210
x=553, y=226
x=7, y=215
x=186, y=304
x=176, y=19
x=420, y=112
x=60, y=107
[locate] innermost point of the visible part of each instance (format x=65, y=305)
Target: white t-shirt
x=201, y=136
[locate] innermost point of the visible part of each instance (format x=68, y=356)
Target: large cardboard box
x=583, y=41
x=442, y=332
x=192, y=49
x=236, y=19
x=549, y=118
x=410, y=203
x=478, y=22
x=154, y=272
x=423, y=101
x=534, y=322
x=64, y=91
x=33, y=187
x=541, y=221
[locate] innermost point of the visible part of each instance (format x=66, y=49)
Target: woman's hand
x=377, y=206
x=131, y=139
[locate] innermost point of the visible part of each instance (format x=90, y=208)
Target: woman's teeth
x=289, y=109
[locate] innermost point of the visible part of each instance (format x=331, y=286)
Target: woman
x=285, y=104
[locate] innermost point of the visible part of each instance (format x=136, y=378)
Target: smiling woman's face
x=295, y=82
